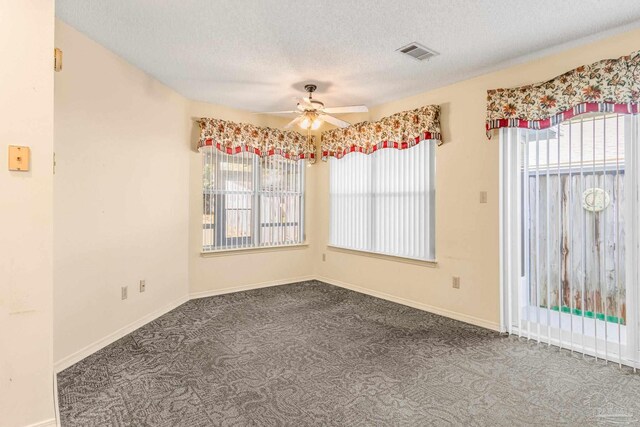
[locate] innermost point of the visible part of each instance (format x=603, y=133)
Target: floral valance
x=611, y=85
x=233, y=138
x=400, y=131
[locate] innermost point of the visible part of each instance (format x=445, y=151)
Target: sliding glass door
x=570, y=235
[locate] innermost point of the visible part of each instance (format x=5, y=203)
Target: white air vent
x=417, y=51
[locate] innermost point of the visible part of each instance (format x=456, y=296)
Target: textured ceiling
x=258, y=54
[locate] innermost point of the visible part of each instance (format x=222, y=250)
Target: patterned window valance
x=611, y=85
x=400, y=131
x=233, y=138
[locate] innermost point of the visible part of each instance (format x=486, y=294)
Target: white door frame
x=511, y=248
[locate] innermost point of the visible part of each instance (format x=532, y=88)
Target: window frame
x=516, y=305
x=218, y=200
x=374, y=234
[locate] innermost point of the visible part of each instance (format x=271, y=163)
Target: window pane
x=209, y=175
x=281, y=201
x=227, y=200
x=575, y=178
x=238, y=183
x=576, y=184
x=598, y=145
x=238, y=215
x=384, y=202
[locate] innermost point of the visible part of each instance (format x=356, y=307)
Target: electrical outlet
x=123, y=292
x=324, y=257
x=456, y=282
x=143, y=285
x=483, y=197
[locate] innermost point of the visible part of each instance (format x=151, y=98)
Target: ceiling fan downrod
x=310, y=88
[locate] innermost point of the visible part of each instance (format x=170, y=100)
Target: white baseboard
x=420, y=306
x=46, y=423
x=92, y=348
x=74, y=358
x=232, y=289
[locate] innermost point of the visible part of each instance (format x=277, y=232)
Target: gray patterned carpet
x=314, y=354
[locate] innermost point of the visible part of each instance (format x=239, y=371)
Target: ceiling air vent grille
x=417, y=51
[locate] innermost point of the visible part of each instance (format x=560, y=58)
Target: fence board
x=578, y=249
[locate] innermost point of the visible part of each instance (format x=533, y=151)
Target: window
x=251, y=201
x=384, y=202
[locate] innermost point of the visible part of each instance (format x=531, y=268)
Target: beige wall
x=467, y=232
x=237, y=269
x=26, y=275
x=120, y=194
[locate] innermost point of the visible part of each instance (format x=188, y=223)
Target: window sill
x=396, y=258
x=241, y=251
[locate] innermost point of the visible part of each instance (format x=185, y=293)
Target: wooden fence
x=577, y=257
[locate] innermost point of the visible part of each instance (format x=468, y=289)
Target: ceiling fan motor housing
x=317, y=104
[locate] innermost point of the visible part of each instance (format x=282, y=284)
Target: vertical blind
x=384, y=202
x=573, y=185
x=251, y=201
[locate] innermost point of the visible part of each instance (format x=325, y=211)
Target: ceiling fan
x=311, y=112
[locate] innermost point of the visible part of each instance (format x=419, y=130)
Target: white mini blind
x=251, y=201
x=384, y=202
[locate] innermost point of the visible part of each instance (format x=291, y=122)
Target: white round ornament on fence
x=595, y=199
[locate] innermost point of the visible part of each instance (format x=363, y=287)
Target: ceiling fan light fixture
x=305, y=123
x=316, y=123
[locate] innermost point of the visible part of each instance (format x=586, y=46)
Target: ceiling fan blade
x=305, y=104
x=334, y=121
x=293, y=122
x=276, y=112
x=349, y=109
